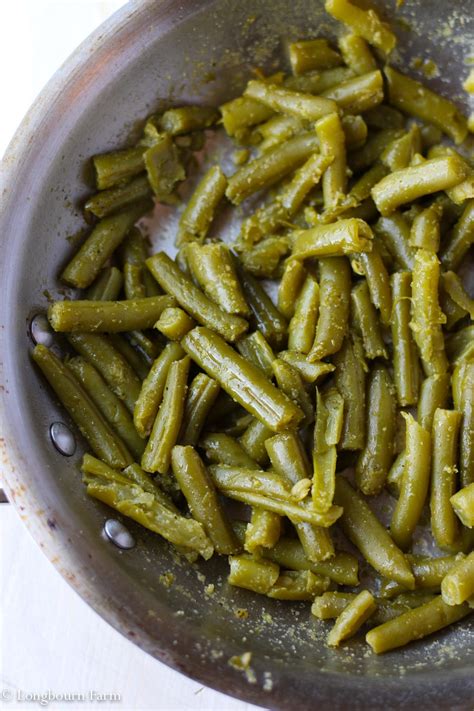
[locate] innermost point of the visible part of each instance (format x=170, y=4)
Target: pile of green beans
x=192, y=387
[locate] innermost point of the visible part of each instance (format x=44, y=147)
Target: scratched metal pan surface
x=150, y=54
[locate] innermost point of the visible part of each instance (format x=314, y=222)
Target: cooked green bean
x=427, y=317
x=373, y=268
x=263, y=531
x=414, y=484
x=394, y=477
x=352, y=618
x=255, y=349
x=411, y=97
x=302, y=327
x=445, y=435
x=400, y=152
x=107, y=316
x=433, y=394
x=298, y=585
x=268, y=319
x=343, y=237
x=304, y=106
x=304, y=180
x=270, y=167
x=458, y=584
x=334, y=285
x=307, y=55
x=428, y=572
x=383, y=117
x=414, y=624
x=192, y=299
x=394, y=231
x=425, y=229
x=460, y=345
x=292, y=280
x=186, y=119
x=200, y=493
x=199, y=213
x=289, y=553
x=131, y=355
x=104, y=239
x=252, y=574
x=200, y=399
x=318, y=81
x=463, y=505
x=372, y=149
x=324, y=478
x=290, y=382
x=241, y=113
x=86, y=415
x=366, y=321
x=453, y=286
x=466, y=442
x=361, y=189
x=365, y=23
x=376, y=458
x=163, y=166
x=310, y=372
x=113, y=409
x=253, y=441
x=243, y=381
x=152, y=388
x=332, y=139
x=460, y=238
x=359, y=94
x=356, y=54
x=174, y=323
x=405, y=357
x=263, y=260
x=350, y=382
x=133, y=284
x=113, y=367
x=107, y=286
x=115, y=168
x=106, y=202
x=372, y=539
x=453, y=312
x=222, y=449
x=355, y=131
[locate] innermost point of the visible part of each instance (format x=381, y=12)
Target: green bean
x=304, y=106
x=310, y=372
x=267, y=219
x=288, y=457
x=460, y=238
x=394, y=477
x=453, y=286
x=200, y=493
x=352, y=618
x=361, y=189
x=222, y=449
x=104, y=239
x=350, y=382
x=332, y=140
x=289, y=553
x=263, y=531
x=252, y=574
x=411, y=97
x=445, y=434
x=302, y=327
x=405, y=357
x=433, y=395
x=324, y=478
x=356, y=54
x=425, y=229
x=134, y=285
x=464, y=190
x=460, y=345
x=307, y=55
x=453, y=312
x=174, y=323
x=268, y=491
x=290, y=285
x=113, y=410
x=82, y=409
x=113, y=367
x=146, y=506
x=366, y=320
x=429, y=573
x=108, y=316
x=131, y=355
x=186, y=119
x=269, y=321
x=165, y=431
x=355, y=131
x=463, y=505
x=384, y=116
x=371, y=265
x=192, y=300
x=365, y=23
x=199, y=213
x=414, y=182
x=240, y=114
x=291, y=383
x=270, y=167
x=372, y=149
x=298, y=585
x=376, y=458
x=115, y=168
x=414, y=624
x=394, y=231
x=414, y=483
x=106, y=202
x=466, y=442
x=329, y=605
x=263, y=260
x=107, y=286
x=359, y=94
x=427, y=316
x=367, y=533
x=400, y=152
x=318, y=81
x=255, y=349
x=278, y=128
x=201, y=397
x=253, y=441
x=334, y=285
x=458, y=584
x=243, y=381
x=163, y=166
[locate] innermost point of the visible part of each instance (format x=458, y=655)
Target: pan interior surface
x=151, y=55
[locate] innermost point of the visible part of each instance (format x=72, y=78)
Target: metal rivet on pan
x=40, y=330
x=62, y=438
x=118, y=534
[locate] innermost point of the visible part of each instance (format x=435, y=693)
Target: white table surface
x=50, y=639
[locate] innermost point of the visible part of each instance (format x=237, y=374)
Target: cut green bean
x=428, y=572
x=400, y=152
x=334, y=285
x=106, y=202
x=298, y=585
x=466, y=442
x=373, y=267
x=263, y=531
x=352, y=618
x=253, y=441
x=268, y=319
x=372, y=149
x=307, y=55
x=290, y=382
x=107, y=286
x=115, y=168
x=343, y=237
x=163, y=166
x=186, y=119
x=255, y=349
x=463, y=505
x=201, y=397
x=291, y=283
x=460, y=238
x=199, y=213
x=366, y=321
x=356, y=54
x=310, y=372
x=303, y=106
x=131, y=355
x=174, y=323
x=394, y=231
x=405, y=357
x=425, y=229
x=302, y=327
x=445, y=435
x=453, y=286
x=220, y=448
x=252, y=574
x=332, y=139
x=359, y=94
x=350, y=382
x=433, y=395
x=289, y=553
x=263, y=260
x=365, y=23
x=458, y=584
